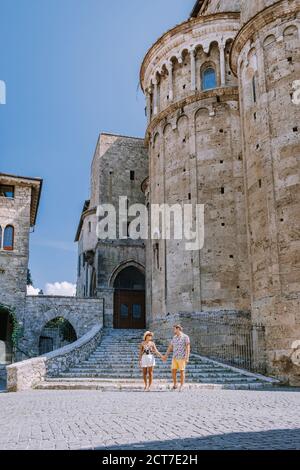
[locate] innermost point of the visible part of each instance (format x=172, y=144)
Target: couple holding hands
x=180, y=346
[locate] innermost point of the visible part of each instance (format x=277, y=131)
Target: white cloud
x=32, y=291
x=65, y=289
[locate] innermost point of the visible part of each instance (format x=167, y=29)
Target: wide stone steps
x=114, y=366
x=197, y=379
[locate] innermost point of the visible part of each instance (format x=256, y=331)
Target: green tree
x=29, y=278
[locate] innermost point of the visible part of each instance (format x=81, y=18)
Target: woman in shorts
x=147, y=354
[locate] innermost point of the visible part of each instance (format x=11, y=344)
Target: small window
x=8, y=242
x=156, y=254
x=291, y=32
x=254, y=89
x=90, y=227
x=137, y=311
x=79, y=265
x=209, y=79
x=124, y=311
x=7, y=191
x=132, y=175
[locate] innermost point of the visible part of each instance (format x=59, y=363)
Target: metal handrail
x=236, y=342
x=23, y=352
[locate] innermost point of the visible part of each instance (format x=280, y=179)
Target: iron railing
x=236, y=342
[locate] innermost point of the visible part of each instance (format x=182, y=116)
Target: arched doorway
x=56, y=334
x=129, y=299
x=6, y=329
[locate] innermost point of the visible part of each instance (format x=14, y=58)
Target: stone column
x=193, y=70
x=170, y=79
x=222, y=63
x=155, y=97
x=148, y=98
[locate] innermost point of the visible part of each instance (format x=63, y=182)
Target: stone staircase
x=114, y=366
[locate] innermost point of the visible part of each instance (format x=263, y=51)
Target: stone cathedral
x=222, y=131
x=223, y=126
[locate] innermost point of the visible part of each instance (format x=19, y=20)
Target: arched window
x=209, y=79
x=290, y=33
x=130, y=278
x=8, y=242
x=269, y=40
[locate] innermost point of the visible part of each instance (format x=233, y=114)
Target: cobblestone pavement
x=204, y=419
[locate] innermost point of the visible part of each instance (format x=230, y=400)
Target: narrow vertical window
x=254, y=89
x=156, y=254
x=132, y=175
x=8, y=243
x=209, y=79
x=79, y=265
x=0, y=238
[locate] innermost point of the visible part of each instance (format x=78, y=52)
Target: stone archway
x=129, y=298
x=6, y=330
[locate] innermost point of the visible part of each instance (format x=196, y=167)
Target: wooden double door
x=129, y=309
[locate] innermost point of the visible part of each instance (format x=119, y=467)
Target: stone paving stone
x=197, y=419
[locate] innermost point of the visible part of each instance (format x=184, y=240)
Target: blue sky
x=71, y=69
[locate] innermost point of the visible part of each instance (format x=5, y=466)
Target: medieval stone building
x=19, y=201
x=114, y=270
x=222, y=131
x=22, y=316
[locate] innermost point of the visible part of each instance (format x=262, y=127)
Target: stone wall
x=266, y=57
x=172, y=69
x=218, y=6
x=116, y=157
x=250, y=9
x=83, y=314
x=25, y=375
x=195, y=158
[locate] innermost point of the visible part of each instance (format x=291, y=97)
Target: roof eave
x=197, y=8
x=36, y=186
x=84, y=209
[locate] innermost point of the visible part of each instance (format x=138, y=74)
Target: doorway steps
x=114, y=366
